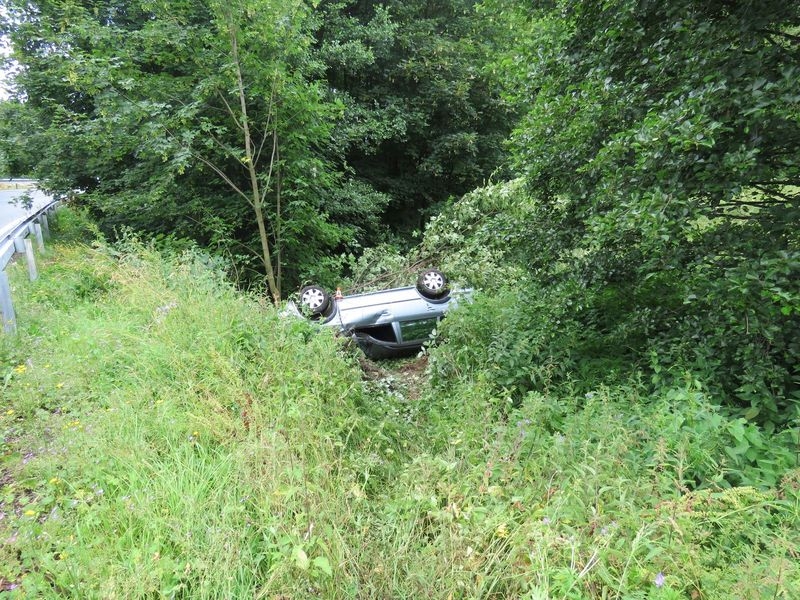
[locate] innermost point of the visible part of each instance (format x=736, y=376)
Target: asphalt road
x=11, y=213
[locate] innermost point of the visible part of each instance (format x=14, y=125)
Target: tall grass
x=164, y=435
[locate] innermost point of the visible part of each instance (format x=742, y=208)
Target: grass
x=164, y=435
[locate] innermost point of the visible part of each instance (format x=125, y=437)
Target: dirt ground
x=410, y=372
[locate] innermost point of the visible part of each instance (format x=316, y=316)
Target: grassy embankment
x=166, y=436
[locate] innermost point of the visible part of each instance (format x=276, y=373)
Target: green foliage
x=136, y=116
x=614, y=416
x=653, y=234
x=164, y=435
x=175, y=462
x=19, y=141
x=586, y=498
x=378, y=112
x=565, y=327
x=481, y=238
x=422, y=119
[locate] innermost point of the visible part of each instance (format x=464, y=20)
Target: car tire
x=432, y=284
x=315, y=299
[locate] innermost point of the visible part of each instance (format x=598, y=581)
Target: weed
x=164, y=435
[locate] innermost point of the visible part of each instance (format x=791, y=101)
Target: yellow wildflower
x=10, y=412
x=59, y=385
x=20, y=369
x=30, y=513
x=501, y=531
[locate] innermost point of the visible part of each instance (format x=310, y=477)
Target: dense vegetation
x=354, y=118
x=165, y=436
x=615, y=415
x=655, y=225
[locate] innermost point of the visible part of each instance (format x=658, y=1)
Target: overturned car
x=388, y=323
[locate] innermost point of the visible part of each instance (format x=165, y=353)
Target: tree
x=18, y=139
x=423, y=119
x=268, y=66
x=145, y=104
x=660, y=145
x=378, y=113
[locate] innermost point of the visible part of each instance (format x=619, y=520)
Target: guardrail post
x=15, y=242
x=30, y=259
x=39, y=237
x=45, y=225
x=6, y=307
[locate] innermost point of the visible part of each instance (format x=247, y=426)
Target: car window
x=417, y=330
x=383, y=333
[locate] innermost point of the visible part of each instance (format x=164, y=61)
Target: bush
x=616, y=303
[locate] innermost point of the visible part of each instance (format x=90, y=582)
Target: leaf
x=322, y=563
x=300, y=558
x=752, y=413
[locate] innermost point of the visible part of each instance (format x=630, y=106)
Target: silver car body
x=387, y=323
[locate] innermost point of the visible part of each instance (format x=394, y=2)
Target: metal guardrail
x=16, y=238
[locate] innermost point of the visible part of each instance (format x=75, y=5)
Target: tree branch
x=227, y=147
x=780, y=195
x=271, y=164
x=210, y=165
x=788, y=36
x=230, y=110
x=721, y=215
x=257, y=194
x=264, y=137
x=278, y=216
x=787, y=182
x=270, y=114
x=224, y=176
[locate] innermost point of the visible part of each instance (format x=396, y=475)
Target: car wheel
x=315, y=299
x=432, y=284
